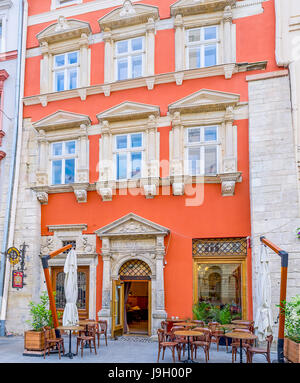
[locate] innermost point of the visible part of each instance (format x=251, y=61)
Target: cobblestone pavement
x=123, y=350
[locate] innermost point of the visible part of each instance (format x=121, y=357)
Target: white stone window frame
x=202, y=144
x=65, y=36
x=128, y=118
x=63, y=157
x=201, y=44
x=128, y=152
x=57, y=4
x=129, y=55
x=128, y=22
x=66, y=69
x=226, y=36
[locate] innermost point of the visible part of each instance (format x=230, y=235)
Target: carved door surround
x=133, y=237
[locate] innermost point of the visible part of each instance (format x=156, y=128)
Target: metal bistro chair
x=163, y=344
x=82, y=338
x=102, y=329
x=202, y=341
x=50, y=342
x=255, y=350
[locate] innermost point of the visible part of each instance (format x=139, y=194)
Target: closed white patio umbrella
x=70, y=317
x=263, y=318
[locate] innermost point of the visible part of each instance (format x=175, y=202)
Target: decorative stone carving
x=106, y=194
x=127, y=9
x=228, y=183
x=178, y=188
x=150, y=191
x=81, y=195
x=42, y=197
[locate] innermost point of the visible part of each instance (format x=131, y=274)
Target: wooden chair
x=199, y=323
x=163, y=344
x=82, y=338
x=101, y=329
x=202, y=341
x=51, y=342
x=266, y=352
x=164, y=326
x=181, y=340
x=216, y=333
x=236, y=344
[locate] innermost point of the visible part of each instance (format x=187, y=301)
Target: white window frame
x=128, y=152
x=66, y=69
x=129, y=56
x=202, y=145
x=56, y=3
x=202, y=44
x=63, y=157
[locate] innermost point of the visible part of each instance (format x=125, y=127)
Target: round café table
x=86, y=323
x=241, y=336
x=188, y=334
x=70, y=329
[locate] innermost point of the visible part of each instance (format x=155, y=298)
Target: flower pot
x=35, y=340
x=291, y=350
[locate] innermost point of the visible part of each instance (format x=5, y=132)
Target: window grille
x=220, y=247
x=135, y=269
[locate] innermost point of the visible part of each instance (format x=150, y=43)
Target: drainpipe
x=14, y=164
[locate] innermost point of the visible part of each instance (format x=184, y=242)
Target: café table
x=86, y=322
x=241, y=336
x=70, y=329
x=242, y=321
x=188, y=334
x=185, y=324
x=171, y=321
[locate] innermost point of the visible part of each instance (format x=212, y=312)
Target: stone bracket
x=42, y=197
x=228, y=181
x=80, y=192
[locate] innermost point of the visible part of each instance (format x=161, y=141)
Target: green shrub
x=292, y=318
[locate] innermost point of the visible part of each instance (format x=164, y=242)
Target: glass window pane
x=70, y=147
x=211, y=160
x=194, y=135
x=210, y=133
x=194, y=58
x=121, y=166
x=70, y=171
x=57, y=149
x=56, y=172
x=136, y=140
x=136, y=164
x=137, y=44
x=59, y=60
x=73, y=78
x=121, y=142
x=210, y=53
x=73, y=58
x=137, y=64
x=194, y=35
x=122, y=69
x=210, y=33
x=220, y=284
x=60, y=81
x=122, y=46
x=194, y=161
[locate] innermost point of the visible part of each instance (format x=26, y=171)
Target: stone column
x=42, y=174
x=105, y=312
x=44, y=81
x=179, y=43
x=176, y=166
x=230, y=159
x=150, y=47
x=227, y=17
x=84, y=64
x=108, y=60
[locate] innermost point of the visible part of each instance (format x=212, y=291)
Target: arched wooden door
x=58, y=278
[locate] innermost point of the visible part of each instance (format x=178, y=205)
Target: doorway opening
x=136, y=309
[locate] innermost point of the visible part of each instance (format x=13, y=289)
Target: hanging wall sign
x=17, y=279
x=13, y=255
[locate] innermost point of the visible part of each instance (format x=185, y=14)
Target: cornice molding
x=226, y=70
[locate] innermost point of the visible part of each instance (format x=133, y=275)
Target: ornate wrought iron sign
x=16, y=256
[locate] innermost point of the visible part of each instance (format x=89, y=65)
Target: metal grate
x=135, y=269
x=60, y=290
x=220, y=247
x=65, y=243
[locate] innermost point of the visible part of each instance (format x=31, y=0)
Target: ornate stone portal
x=128, y=238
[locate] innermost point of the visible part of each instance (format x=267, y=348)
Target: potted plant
x=40, y=316
x=292, y=329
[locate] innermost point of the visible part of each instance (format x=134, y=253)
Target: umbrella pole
x=283, y=284
x=52, y=305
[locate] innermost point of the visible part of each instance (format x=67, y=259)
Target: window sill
x=226, y=70
x=80, y=190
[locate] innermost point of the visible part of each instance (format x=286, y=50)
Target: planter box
x=291, y=350
x=35, y=340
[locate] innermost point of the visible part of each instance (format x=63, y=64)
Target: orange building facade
x=138, y=119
